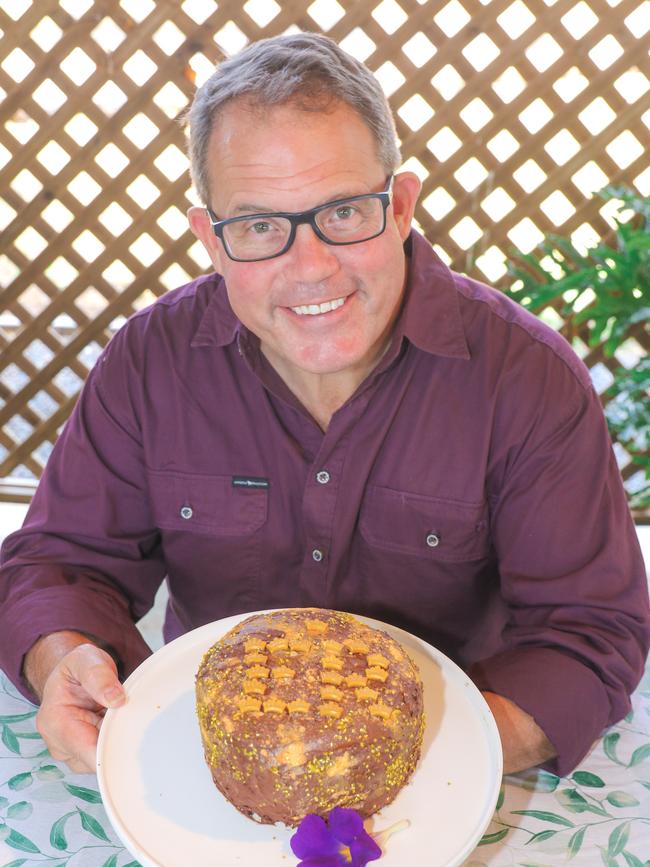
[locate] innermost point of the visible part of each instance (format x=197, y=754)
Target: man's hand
x=77, y=681
x=524, y=743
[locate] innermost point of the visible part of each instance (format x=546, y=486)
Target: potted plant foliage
x=603, y=295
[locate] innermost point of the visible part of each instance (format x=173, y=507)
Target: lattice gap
x=512, y=113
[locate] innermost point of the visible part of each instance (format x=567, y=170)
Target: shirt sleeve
x=570, y=565
x=88, y=556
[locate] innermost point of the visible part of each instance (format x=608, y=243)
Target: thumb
x=96, y=672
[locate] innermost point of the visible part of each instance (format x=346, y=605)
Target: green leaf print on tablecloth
x=33, y=790
x=598, y=814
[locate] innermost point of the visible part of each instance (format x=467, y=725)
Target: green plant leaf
x=575, y=842
x=639, y=754
x=540, y=837
x=110, y=862
x=20, y=810
x=57, y=833
x=18, y=841
x=607, y=859
x=501, y=798
x=132, y=864
x=618, y=839
x=90, y=795
x=610, y=742
x=631, y=860
x=17, y=863
x=91, y=824
x=584, y=778
x=493, y=838
x=10, y=740
x=574, y=802
x=14, y=718
x=622, y=799
x=20, y=781
x=545, y=817
x=3, y=802
x=49, y=772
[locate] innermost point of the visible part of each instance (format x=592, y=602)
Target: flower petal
x=345, y=824
x=313, y=839
x=324, y=861
x=363, y=850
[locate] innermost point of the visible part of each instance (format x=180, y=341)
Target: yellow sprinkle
x=380, y=710
x=255, y=658
x=332, y=646
x=356, y=646
x=254, y=644
x=283, y=671
x=376, y=674
x=378, y=659
x=278, y=644
x=331, y=677
x=254, y=687
x=301, y=645
x=331, y=693
x=330, y=708
x=367, y=694
x=332, y=662
x=248, y=704
x=274, y=705
x=316, y=627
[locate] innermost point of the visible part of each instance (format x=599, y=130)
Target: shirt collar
x=430, y=317
x=218, y=326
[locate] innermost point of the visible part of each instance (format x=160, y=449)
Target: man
x=336, y=420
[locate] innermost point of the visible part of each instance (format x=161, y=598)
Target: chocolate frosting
x=306, y=709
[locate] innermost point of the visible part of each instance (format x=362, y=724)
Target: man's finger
x=95, y=671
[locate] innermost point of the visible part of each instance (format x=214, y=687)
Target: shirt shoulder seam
x=585, y=383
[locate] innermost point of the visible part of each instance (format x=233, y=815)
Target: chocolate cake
x=306, y=709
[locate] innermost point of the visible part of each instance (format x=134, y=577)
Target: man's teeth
x=314, y=309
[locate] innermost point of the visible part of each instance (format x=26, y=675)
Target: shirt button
x=323, y=477
x=433, y=540
x=317, y=555
x=186, y=512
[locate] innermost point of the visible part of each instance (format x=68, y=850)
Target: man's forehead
x=290, y=152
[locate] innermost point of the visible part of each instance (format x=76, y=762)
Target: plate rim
x=218, y=628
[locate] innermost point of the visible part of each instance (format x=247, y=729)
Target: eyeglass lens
x=347, y=222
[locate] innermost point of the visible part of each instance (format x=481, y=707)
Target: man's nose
x=312, y=258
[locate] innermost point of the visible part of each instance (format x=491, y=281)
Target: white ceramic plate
x=160, y=798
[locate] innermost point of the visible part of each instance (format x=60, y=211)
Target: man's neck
x=322, y=394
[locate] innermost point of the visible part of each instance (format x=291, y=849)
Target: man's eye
x=344, y=212
x=260, y=227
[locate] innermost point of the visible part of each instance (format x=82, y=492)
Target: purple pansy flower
x=341, y=842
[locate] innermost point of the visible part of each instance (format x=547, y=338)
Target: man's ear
x=406, y=189
x=201, y=227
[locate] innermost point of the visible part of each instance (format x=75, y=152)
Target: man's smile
x=316, y=309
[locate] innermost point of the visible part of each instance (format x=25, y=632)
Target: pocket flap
x=189, y=502
x=424, y=526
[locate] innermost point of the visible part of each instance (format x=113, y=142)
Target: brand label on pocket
x=249, y=482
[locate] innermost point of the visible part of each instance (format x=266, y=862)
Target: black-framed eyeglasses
x=254, y=237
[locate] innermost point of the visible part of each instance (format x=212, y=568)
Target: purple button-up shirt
x=466, y=492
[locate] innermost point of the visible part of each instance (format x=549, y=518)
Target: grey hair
x=305, y=69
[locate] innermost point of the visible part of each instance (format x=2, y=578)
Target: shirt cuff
x=80, y=609
x=566, y=699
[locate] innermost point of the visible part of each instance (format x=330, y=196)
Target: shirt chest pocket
x=206, y=504
x=422, y=526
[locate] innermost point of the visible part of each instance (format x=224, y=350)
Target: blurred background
x=514, y=113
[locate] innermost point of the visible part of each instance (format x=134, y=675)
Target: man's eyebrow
x=248, y=208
